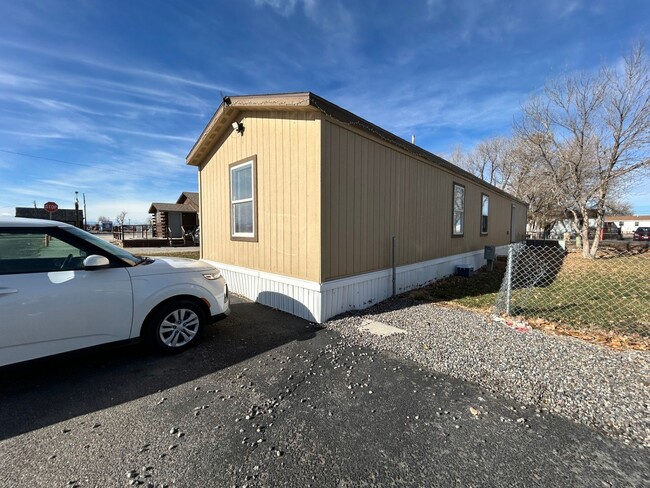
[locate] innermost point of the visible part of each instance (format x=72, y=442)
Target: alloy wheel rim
x=179, y=327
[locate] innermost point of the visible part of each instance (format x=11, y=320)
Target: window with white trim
x=458, y=216
x=485, y=209
x=242, y=200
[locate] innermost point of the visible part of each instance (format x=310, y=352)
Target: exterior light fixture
x=239, y=127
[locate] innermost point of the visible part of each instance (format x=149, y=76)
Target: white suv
x=63, y=289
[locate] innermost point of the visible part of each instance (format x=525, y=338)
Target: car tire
x=175, y=326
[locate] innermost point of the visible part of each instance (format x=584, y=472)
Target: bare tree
x=528, y=180
x=491, y=161
x=509, y=164
x=590, y=132
x=618, y=207
x=457, y=156
x=121, y=217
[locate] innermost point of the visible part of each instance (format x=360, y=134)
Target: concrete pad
x=380, y=329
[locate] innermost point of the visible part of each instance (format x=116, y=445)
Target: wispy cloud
x=153, y=135
x=331, y=17
x=76, y=58
x=450, y=100
x=12, y=80
x=141, y=108
x=52, y=126
x=286, y=7
x=38, y=102
x=164, y=160
x=33, y=135
x=566, y=8
x=468, y=20
x=65, y=183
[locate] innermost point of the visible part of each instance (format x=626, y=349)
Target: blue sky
x=107, y=97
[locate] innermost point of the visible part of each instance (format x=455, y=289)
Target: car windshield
x=106, y=246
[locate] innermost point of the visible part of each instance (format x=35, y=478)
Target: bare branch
x=591, y=132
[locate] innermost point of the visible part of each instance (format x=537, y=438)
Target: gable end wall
x=287, y=148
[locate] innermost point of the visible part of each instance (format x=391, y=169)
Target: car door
x=49, y=303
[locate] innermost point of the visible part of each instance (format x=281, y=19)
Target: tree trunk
x=585, y=241
x=584, y=232
x=594, y=246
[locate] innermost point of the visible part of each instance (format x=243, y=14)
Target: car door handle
x=7, y=291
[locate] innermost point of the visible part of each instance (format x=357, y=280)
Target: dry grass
x=608, y=294
x=604, y=300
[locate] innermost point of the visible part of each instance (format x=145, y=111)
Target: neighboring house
x=301, y=199
x=67, y=215
x=629, y=223
x=566, y=225
x=173, y=220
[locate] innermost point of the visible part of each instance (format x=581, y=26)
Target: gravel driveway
x=266, y=399
x=584, y=382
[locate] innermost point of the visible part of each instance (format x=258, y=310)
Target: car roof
x=24, y=222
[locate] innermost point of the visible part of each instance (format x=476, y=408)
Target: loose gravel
x=588, y=383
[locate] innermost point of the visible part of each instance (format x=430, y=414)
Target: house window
x=458, y=217
x=243, y=214
x=621, y=223
x=485, y=208
x=636, y=224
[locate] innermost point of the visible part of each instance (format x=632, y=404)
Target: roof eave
x=332, y=110
x=226, y=112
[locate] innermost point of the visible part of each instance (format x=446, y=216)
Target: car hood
x=168, y=265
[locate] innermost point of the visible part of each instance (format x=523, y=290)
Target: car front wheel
x=175, y=326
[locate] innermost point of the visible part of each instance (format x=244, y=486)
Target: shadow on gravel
x=43, y=392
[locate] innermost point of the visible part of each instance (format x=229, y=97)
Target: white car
x=63, y=289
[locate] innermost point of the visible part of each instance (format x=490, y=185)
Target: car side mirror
x=95, y=261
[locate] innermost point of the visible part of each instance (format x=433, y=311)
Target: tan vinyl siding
x=287, y=147
x=372, y=191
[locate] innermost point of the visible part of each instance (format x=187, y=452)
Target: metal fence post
x=602, y=294
x=509, y=278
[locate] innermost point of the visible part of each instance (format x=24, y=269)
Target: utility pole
x=85, y=214
x=76, y=209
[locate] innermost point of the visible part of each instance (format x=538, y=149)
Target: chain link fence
x=610, y=292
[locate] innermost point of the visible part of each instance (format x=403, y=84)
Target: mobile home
x=313, y=210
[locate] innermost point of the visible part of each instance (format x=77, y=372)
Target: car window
x=123, y=254
x=35, y=251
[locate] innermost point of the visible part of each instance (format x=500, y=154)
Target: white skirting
x=318, y=302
